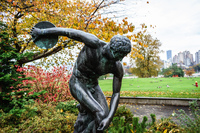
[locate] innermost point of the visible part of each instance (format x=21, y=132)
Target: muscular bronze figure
x=95, y=59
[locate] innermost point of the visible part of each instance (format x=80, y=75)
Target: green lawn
x=155, y=87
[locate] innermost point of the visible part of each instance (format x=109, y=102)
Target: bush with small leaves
x=55, y=83
x=69, y=106
x=117, y=126
x=42, y=118
x=165, y=125
x=190, y=123
x=124, y=122
x=125, y=112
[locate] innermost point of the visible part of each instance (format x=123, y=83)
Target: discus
x=45, y=41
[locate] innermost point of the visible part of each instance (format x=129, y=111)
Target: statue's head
x=120, y=46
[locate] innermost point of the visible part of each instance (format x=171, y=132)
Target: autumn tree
x=148, y=63
x=173, y=70
x=196, y=67
x=22, y=15
x=189, y=71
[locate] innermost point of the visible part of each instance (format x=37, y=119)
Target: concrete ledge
x=158, y=101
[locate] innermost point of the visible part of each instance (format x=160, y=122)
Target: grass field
x=155, y=87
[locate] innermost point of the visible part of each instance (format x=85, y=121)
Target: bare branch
x=101, y=5
x=26, y=7
x=26, y=45
x=14, y=30
x=112, y=2
x=47, y=53
x=88, y=21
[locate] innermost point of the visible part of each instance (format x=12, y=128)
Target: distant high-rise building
x=191, y=57
x=169, y=54
x=175, y=59
x=188, y=58
x=180, y=58
x=184, y=58
x=197, y=57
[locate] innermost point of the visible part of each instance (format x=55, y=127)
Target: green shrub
x=137, y=127
x=69, y=106
x=124, y=122
x=44, y=118
x=118, y=125
x=190, y=123
x=165, y=125
x=11, y=119
x=125, y=112
x=122, y=116
x=12, y=78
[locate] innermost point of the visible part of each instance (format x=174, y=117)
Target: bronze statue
x=95, y=59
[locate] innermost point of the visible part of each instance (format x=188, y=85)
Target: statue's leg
x=83, y=116
x=82, y=93
x=101, y=99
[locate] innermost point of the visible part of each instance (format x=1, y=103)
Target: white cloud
x=177, y=21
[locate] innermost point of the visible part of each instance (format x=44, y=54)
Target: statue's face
x=116, y=55
x=119, y=47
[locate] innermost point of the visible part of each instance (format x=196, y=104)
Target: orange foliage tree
x=189, y=71
x=22, y=15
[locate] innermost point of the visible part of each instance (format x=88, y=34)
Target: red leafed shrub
x=56, y=83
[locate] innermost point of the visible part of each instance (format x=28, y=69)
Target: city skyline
x=183, y=58
x=176, y=53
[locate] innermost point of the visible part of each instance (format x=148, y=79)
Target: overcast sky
x=177, y=21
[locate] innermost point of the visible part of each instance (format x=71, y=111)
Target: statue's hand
x=103, y=124
x=35, y=33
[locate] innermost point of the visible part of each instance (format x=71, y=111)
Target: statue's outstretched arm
x=78, y=35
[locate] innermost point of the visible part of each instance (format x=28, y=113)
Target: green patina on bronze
x=46, y=41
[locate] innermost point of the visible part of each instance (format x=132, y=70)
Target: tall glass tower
x=169, y=54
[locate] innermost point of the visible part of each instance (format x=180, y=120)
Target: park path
x=161, y=111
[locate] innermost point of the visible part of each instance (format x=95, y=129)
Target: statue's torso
x=91, y=63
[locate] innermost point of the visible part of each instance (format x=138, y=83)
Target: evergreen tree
x=12, y=95
x=173, y=70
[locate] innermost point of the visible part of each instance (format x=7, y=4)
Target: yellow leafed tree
x=148, y=62
x=22, y=15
